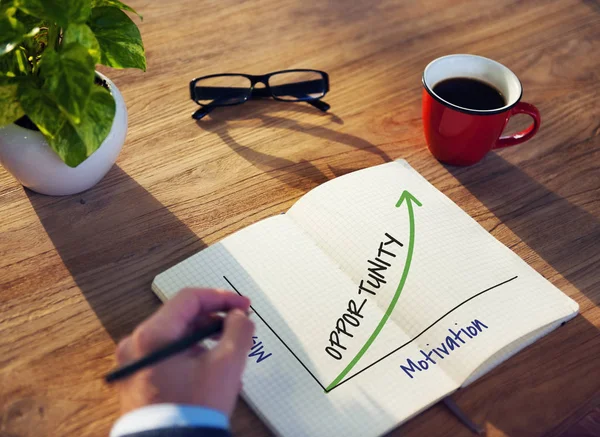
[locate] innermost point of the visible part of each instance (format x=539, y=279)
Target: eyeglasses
x=234, y=89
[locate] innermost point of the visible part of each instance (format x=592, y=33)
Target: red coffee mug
x=462, y=136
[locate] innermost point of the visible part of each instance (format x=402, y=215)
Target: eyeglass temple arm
x=205, y=110
x=301, y=90
x=319, y=104
x=202, y=112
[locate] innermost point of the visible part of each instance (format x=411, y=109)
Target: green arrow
x=407, y=198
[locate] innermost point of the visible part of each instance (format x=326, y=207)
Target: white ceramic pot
x=28, y=157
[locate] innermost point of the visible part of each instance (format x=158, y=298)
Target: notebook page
x=299, y=295
x=465, y=295
x=296, y=289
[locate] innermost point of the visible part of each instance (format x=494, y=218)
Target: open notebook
x=374, y=297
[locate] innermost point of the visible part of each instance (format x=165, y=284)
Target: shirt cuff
x=161, y=416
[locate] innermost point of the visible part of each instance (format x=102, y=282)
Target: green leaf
x=114, y=4
x=14, y=64
x=75, y=143
x=55, y=126
x=12, y=31
x=119, y=38
x=68, y=78
x=62, y=12
x=97, y=119
x=69, y=146
x=10, y=108
x=72, y=143
x=41, y=109
x=34, y=47
x=82, y=34
x=29, y=21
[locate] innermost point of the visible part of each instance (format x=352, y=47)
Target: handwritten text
x=257, y=350
x=451, y=342
x=369, y=285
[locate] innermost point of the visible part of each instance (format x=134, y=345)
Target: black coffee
x=470, y=93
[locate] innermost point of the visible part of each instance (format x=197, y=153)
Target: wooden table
x=76, y=271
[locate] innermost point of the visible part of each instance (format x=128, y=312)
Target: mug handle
x=524, y=135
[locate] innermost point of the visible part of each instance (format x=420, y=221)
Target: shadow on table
x=547, y=379
x=565, y=235
x=114, y=239
x=300, y=175
x=593, y=4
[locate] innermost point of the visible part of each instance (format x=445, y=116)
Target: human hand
x=198, y=376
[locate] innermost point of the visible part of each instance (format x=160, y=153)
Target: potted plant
x=62, y=123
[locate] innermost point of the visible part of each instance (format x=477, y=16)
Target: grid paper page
x=297, y=294
x=458, y=303
x=458, y=271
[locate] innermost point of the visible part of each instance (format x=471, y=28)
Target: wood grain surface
x=76, y=271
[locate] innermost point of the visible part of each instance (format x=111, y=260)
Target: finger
x=215, y=337
x=189, y=303
x=197, y=350
x=204, y=320
x=173, y=320
x=124, y=352
x=236, y=339
x=200, y=323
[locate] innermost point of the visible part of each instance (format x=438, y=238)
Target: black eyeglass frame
x=260, y=92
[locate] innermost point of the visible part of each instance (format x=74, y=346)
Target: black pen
x=166, y=351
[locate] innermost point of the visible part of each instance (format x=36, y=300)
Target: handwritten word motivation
x=257, y=350
x=445, y=349
x=369, y=285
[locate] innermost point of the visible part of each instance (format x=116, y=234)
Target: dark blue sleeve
x=182, y=431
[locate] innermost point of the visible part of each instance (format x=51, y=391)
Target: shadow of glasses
x=302, y=174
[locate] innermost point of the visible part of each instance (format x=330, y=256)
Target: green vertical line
x=409, y=198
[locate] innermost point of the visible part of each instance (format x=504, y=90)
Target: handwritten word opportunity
x=368, y=286
x=445, y=349
x=257, y=350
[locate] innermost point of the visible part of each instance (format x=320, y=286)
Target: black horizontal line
x=424, y=330
x=385, y=356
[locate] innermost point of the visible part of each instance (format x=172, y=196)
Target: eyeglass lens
x=297, y=85
x=222, y=90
